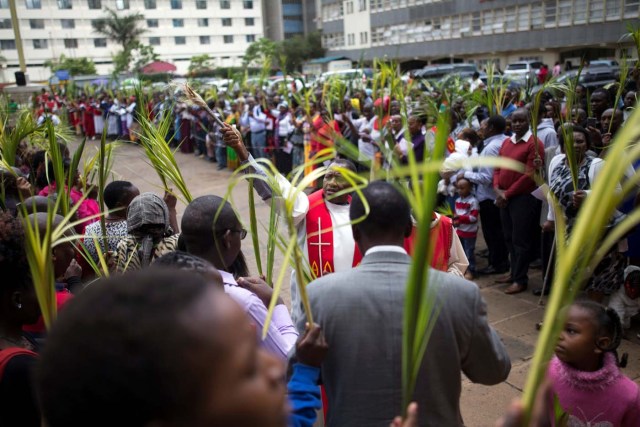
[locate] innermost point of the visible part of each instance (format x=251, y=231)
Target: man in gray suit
x=360, y=312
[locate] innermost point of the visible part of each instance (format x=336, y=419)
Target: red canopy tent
x=158, y=67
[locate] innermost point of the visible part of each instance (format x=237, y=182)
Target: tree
x=200, y=63
x=260, y=52
x=143, y=54
x=125, y=31
x=75, y=66
x=298, y=49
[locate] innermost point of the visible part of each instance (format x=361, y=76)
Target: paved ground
x=514, y=317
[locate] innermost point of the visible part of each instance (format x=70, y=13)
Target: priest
x=321, y=218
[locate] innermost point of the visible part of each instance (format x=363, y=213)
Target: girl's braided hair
x=609, y=325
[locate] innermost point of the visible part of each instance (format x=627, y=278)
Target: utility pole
x=16, y=32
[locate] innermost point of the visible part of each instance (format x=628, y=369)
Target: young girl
x=584, y=374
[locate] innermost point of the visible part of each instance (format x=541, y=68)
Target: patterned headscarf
x=147, y=209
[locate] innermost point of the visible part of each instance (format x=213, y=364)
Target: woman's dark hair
x=14, y=268
x=569, y=127
x=122, y=353
x=608, y=324
x=114, y=193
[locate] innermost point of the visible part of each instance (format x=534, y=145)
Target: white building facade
x=177, y=30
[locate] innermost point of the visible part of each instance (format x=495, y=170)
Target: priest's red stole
x=442, y=237
x=320, y=237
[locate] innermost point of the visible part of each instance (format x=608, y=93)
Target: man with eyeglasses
x=211, y=230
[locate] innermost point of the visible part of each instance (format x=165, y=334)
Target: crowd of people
x=175, y=336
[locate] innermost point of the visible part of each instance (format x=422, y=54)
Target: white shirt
x=366, y=148
x=386, y=248
x=514, y=139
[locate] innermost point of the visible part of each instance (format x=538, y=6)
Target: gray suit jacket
x=360, y=312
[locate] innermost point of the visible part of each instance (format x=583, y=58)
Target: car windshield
x=512, y=67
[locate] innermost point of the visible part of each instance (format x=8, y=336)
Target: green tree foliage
x=125, y=31
x=75, y=66
x=143, y=55
x=298, y=49
x=289, y=54
x=200, y=64
x=260, y=52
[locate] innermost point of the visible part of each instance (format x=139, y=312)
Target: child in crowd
x=584, y=373
x=466, y=222
x=625, y=300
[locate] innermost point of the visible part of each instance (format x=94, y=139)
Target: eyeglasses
x=242, y=231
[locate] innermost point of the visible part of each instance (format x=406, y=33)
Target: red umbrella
x=158, y=67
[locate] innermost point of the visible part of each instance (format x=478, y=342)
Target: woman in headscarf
x=151, y=222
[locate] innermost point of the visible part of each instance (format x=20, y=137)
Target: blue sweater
x=304, y=395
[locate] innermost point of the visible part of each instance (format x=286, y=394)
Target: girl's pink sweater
x=604, y=398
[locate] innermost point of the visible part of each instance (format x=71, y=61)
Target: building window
x=154, y=41
x=349, y=8
x=150, y=4
x=34, y=4
x=631, y=8
x=176, y=4
x=580, y=11
x=99, y=42
x=64, y=4
x=550, y=13
x=476, y=23
x=36, y=24
x=4, y=4
x=122, y=4
x=40, y=44
x=71, y=43
x=487, y=22
x=537, y=18
x=67, y=23
x=247, y=4
x=227, y=39
x=249, y=22
x=251, y=38
x=201, y=4
x=95, y=4
x=205, y=40
x=364, y=37
x=152, y=23
x=350, y=39
x=523, y=18
x=596, y=11
x=226, y=22
x=225, y=4
x=564, y=12
x=8, y=44
x=510, y=19
x=178, y=22
x=613, y=9
x=362, y=5
x=181, y=40
x=203, y=22
x=5, y=24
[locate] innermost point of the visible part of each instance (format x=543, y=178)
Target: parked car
x=438, y=71
x=612, y=64
x=526, y=69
